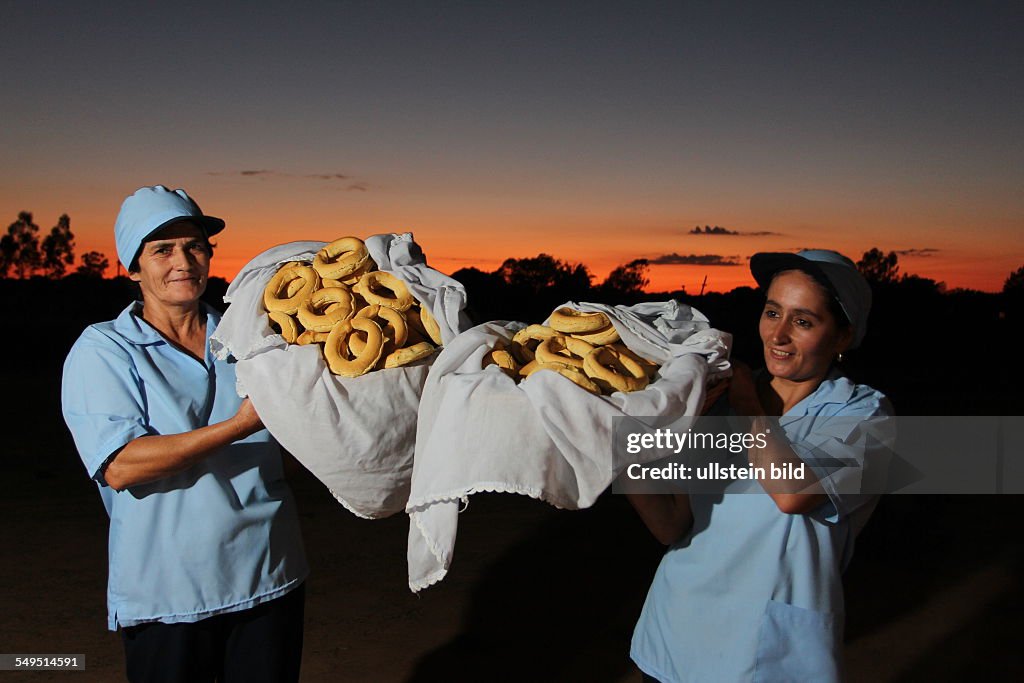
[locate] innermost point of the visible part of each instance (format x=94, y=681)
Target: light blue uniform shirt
x=752, y=593
x=221, y=536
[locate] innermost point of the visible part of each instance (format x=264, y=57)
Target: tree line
x=23, y=254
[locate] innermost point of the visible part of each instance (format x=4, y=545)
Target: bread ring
x=614, y=371
x=311, y=337
x=605, y=335
x=649, y=366
x=563, y=350
x=414, y=317
x=503, y=359
x=325, y=308
x=328, y=283
x=356, y=274
x=430, y=325
x=410, y=354
x=337, y=353
x=532, y=335
x=285, y=325
x=295, y=285
x=276, y=295
x=340, y=258
x=522, y=354
x=356, y=342
x=570, y=321
x=572, y=374
x=529, y=368
x=391, y=322
x=370, y=283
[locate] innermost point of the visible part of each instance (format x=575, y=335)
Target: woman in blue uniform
x=750, y=587
x=206, y=562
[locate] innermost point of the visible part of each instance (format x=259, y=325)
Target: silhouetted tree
x=94, y=264
x=1013, y=296
x=879, y=268
x=629, y=279
x=1014, y=284
x=543, y=272
x=19, y=248
x=59, y=248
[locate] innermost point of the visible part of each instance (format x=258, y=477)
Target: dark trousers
x=263, y=643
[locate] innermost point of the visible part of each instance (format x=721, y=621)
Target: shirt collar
x=130, y=325
x=835, y=388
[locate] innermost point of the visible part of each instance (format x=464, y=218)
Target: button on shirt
x=752, y=593
x=219, y=537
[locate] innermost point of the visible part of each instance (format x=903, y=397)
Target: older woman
x=205, y=554
x=750, y=587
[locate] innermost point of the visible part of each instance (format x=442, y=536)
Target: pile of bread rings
x=584, y=347
x=366, y=319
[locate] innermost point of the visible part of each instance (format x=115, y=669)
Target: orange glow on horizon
x=457, y=244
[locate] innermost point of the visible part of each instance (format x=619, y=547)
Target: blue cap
x=838, y=274
x=149, y=210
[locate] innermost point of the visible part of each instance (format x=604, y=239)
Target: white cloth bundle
x=546, y=437
x=356, y=435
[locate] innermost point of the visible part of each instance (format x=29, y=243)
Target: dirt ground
x=534, y=594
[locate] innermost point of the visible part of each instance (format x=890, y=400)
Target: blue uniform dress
x=752, y=593
x=221, y=536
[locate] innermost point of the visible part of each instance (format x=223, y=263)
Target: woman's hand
x=246, y=420
x=153, y=457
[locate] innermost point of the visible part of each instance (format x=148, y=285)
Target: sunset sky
x=595, y=132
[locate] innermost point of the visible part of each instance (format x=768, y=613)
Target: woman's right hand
x=246, y=420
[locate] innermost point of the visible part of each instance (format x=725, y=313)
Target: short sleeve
x=102, y=400
x=849, y=453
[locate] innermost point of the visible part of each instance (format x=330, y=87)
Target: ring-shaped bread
x=503, y=359
x=601, y=337
x=392, y=322
x=649, y=366
x=409, y=354
x=572, y=374
x=570, y=321
x=370, y=287
x=354, y=277
x=336, y=349
x=340, y=258
x=325, y=308
x=276, y=296
x=614, y=371
x=430, y=325
x=564, y=350
x=311, y=337
x=289, y=329
x=532, y=335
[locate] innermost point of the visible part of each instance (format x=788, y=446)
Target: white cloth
x=356, y=435
x=546, y=437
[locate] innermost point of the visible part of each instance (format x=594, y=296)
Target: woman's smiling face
x=174, y=265
x=801, y=337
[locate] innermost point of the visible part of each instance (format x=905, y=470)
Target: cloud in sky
x=719, y=230
x=675, y=259
x=927, y=251
x=353, y=185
